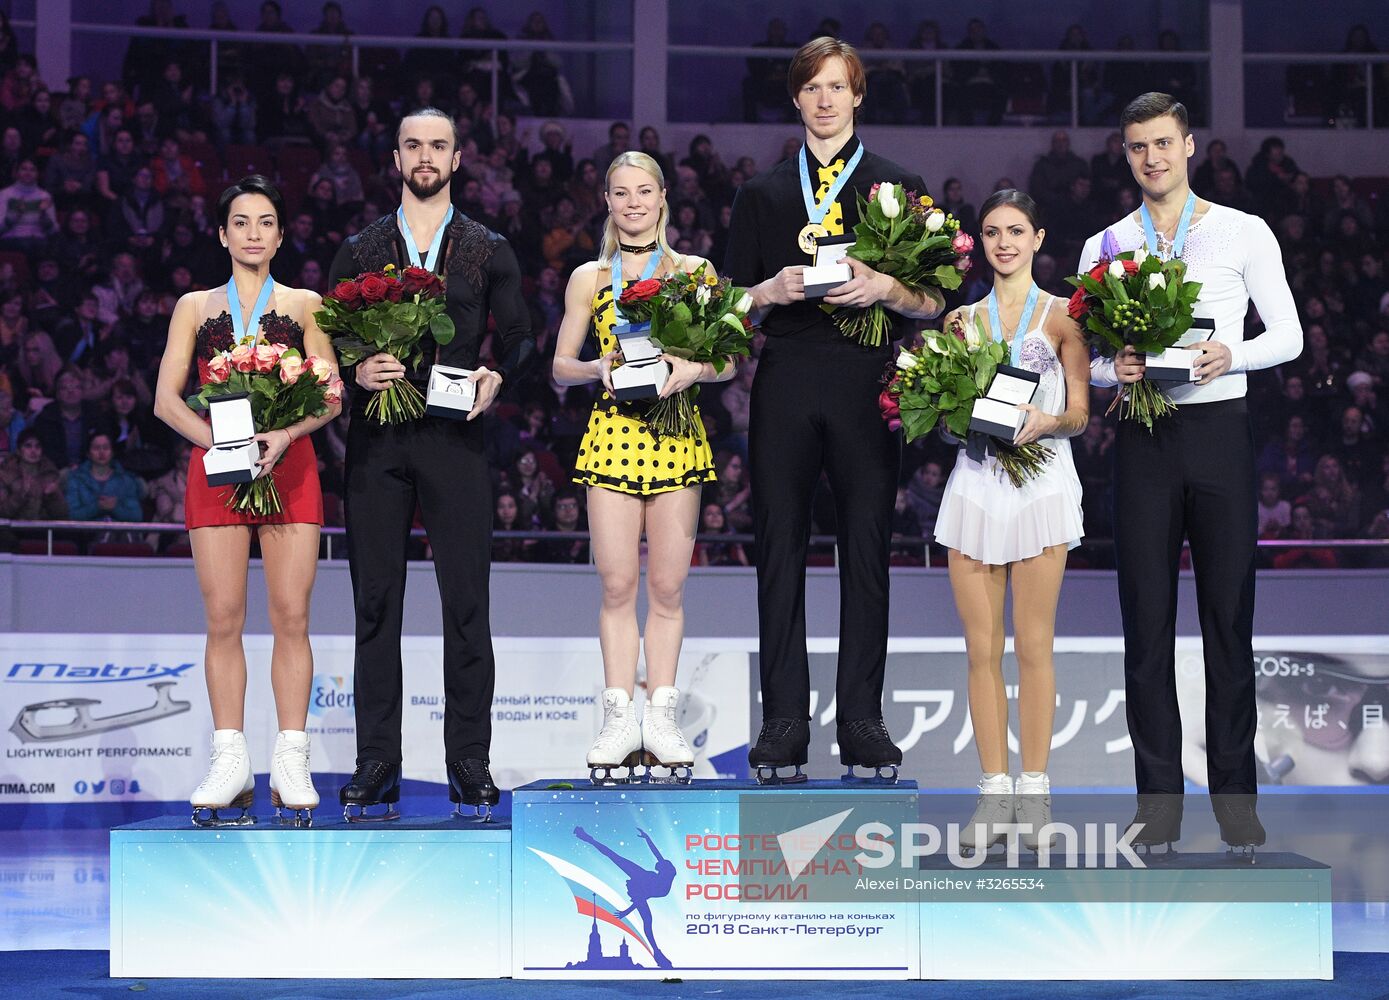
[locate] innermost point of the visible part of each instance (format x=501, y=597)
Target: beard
x=426, y=186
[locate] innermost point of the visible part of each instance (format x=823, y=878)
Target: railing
x=1368, y=60
x=1075, y=58
x=50, y=529
x=353, y=42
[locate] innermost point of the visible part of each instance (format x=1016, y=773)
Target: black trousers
x=439, y=463
x=814, y=408
x=1193, y=476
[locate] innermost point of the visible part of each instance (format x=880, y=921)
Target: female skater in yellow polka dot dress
x=634, y=480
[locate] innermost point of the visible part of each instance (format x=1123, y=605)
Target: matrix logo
x=82, y=673
x=331, y=692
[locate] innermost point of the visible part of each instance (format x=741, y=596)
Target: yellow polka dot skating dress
x=619, y=452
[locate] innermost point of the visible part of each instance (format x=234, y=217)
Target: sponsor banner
x=654, y=882
x=125, y=718
x=1321, y=703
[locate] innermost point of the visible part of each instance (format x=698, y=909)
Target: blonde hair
x=611, y=247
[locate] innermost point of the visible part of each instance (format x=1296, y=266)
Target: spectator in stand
x=71, y=175
x=123, y=285
x=112, y=367
x=733, y=490
x=329, y=218
x=141, y=442
x=174, y=99
x=115, y=173
x=507, y=517
x=710, y=552
x=38, y=366
x=1289, y=457
x=478, y=65
x=534, y=489
x=144, y=55
x=540, y=85
x=924, y=493
x=11, y=420
x=138, y=219
x=764, y=88
x=332, y=118
x=282, y=112
x=1109, y=171
x=1073, y=220
x=76, y=247
x=11, y=154
x=1366, y=398
x=982, y=86
x=9, y=45
x=77, y=338
x=619, y=141
x=167, y=493
x=346, y=181
x=14, y=325
x=1356, y=448
x=1275, y=513
x=1052, y=174
x=557, y=150
x=65, y=425
x=146, y=331
x=176, y=176
x=30, y=486
x=1231, y=194
x=187, y=247
x=1344, y=200
x=20, y=84
x=234, y=114
x=27, y=216
x=568, y=516
x=921, y=74
x=889, y=99
x=1270, y=178
x=1374, y=359
x=266, y=59
x=100, y=489
x=1304, y=526
x=326, y=60
x=1333, y=500
x=1350, y=81
x=568, y=242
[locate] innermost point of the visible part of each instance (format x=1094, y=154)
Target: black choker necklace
x=628, y=248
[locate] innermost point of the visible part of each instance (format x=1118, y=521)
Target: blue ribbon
x=1024, y=322
x=1183, y=224
x=817, y=212
x=234, y=307
x=414, y=251
x=617, y=279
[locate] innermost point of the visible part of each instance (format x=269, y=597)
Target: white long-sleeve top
x=1236, y=258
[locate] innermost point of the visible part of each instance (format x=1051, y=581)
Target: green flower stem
x=673, y=416
x=1023, y=463
x=259, y=497
x=397, y=403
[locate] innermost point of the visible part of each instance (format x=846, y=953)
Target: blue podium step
x=416, y=898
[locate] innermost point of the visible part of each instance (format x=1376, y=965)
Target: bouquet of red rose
x=696, y=316
x=380, y=312
x=284, y=388
x=902, y=234
x=939, y=383
x=1135, y=299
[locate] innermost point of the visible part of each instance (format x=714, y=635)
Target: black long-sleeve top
x=768, y=213
x=481, y=275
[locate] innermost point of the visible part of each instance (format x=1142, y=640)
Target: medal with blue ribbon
x=996, y=322
x=432, y=258
x=1150, y=234
x=816, y=211
x=647, y=273
x=240, y=326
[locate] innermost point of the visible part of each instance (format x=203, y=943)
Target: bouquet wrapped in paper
x=1134, y=299
x=283, y=386
x=903, y=235
x=939, y=383
x=699, y=317
x=385, y=312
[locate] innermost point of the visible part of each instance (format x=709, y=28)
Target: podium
x=424, y=898
x=651, y=881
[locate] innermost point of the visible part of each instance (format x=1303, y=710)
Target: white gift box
x=450, y=392
x=1175, y=363
x=235, y=454
x=829, y=270
x=643, y=372
x=997, y=413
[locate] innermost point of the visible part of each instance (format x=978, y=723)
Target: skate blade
x=883, y=774
x=1150, y=854
x=209, y=817
x=1244, y=854
x=767, y=775
x=675, y=774
x=606, y=776
x=291, y=816
x=362, y=816
x=480, y=813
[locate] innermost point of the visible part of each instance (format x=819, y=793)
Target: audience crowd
x=107, y=191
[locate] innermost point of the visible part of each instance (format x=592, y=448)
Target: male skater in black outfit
x=435, y=461
x=814, y=408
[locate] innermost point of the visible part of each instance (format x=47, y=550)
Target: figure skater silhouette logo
x=643, y=885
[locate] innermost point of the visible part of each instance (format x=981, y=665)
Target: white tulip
x=745, y=304
x=935, y=220
x=1157, y=281
x=702, y=295
x=1140, y=255
x=935, y=345
x=1116, y=268
x=906, y=360
x=974, y=339
x=887, y=201
x=732, y=320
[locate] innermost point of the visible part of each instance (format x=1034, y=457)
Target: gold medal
x=811, y=232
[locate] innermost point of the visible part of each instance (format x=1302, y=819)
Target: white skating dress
x=985, y=516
